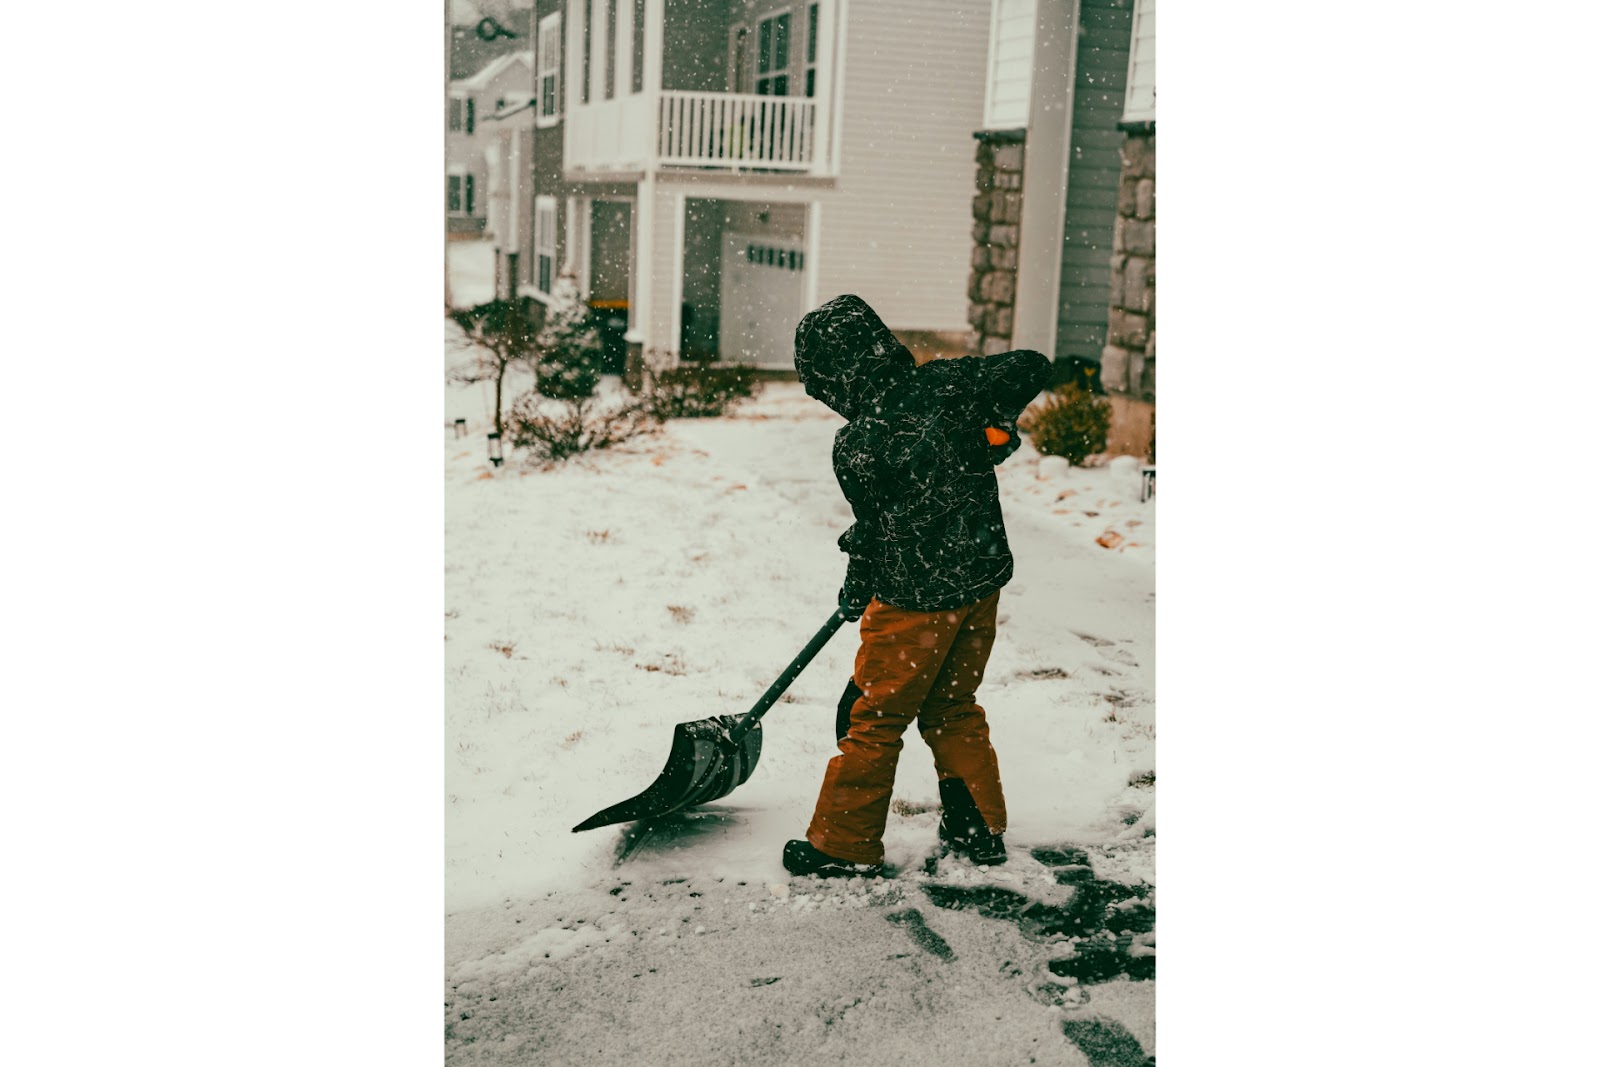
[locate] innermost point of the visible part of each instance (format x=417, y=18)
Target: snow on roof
x=495, y=68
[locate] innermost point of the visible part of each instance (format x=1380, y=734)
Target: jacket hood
x=847, y=358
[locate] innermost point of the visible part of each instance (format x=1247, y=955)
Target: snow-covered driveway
x=591, y=607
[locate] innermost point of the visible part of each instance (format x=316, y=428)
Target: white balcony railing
x=736, y=130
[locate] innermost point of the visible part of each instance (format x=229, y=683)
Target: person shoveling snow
x=928, y=557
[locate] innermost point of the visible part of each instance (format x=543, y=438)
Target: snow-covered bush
x=1070, y=422
x=555, y=430
x=571, y=353
x=697, y=392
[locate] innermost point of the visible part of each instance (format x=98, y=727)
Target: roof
x=469, y=52
x=495, y=68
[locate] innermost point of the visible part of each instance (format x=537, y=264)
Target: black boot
x=962, y=829
x=800, y=857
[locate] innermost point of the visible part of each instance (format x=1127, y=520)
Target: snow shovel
x=711, y=757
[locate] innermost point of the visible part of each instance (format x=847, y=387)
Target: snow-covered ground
x=592, y=606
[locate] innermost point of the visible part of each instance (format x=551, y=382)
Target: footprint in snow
x=1110, y=925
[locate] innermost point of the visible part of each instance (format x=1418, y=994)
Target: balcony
x=722, y=131
x=703, y=85
x=740, y=131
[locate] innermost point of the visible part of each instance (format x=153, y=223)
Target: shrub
x=1070, y=421
x=500, y=334
x=552, y=431
x=571, y=353
x=699, y=392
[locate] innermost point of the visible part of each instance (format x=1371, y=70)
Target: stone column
x=997, y=215
x=1128, y=361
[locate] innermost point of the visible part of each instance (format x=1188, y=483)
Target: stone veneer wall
x=1128, y=362
x=997, y=214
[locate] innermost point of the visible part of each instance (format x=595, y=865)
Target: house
x=482, y=110
x=712, y=169
x=471, y=49
x=1064, y=237
x=507, y=157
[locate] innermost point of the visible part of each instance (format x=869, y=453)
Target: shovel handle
x=790, y=673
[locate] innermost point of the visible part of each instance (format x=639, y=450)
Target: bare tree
x=502, y=334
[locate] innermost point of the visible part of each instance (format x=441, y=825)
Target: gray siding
x=547, y=146
x=898, y=228
x=1094, y=171
x=694, y=52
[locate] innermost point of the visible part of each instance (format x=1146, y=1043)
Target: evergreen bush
x=571, y=353
x=1068, y=421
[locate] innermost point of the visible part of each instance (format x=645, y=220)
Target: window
x=611, y=48
x=811, y=49
x=460, y=199
x=549, y=70
x=638, y=46
x=457, y=111
x=588, y=46
x=1011, y=34
x=472, y=118
x=544, y=242
x=1140, y=102
x=770, y=256
x=772, y=56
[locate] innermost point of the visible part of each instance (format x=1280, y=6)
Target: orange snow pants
x=922, y=666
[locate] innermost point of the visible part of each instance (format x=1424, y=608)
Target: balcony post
x=641, y=305
x=654, y=35
x=830, y=42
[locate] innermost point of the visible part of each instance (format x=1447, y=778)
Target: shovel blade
x=705, y=763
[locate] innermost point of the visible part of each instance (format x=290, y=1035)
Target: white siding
x=897, y=230
x=1010, y=78
x=1140, y=105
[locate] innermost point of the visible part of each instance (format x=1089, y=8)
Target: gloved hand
x=1003, y=440
x=857, y=592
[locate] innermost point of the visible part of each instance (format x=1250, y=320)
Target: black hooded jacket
x=913, y=460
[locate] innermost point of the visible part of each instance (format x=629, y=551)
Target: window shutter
x=611, y=49
x=638, y=46
x=588, y=47
x=471, y=115
x=469, y=194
